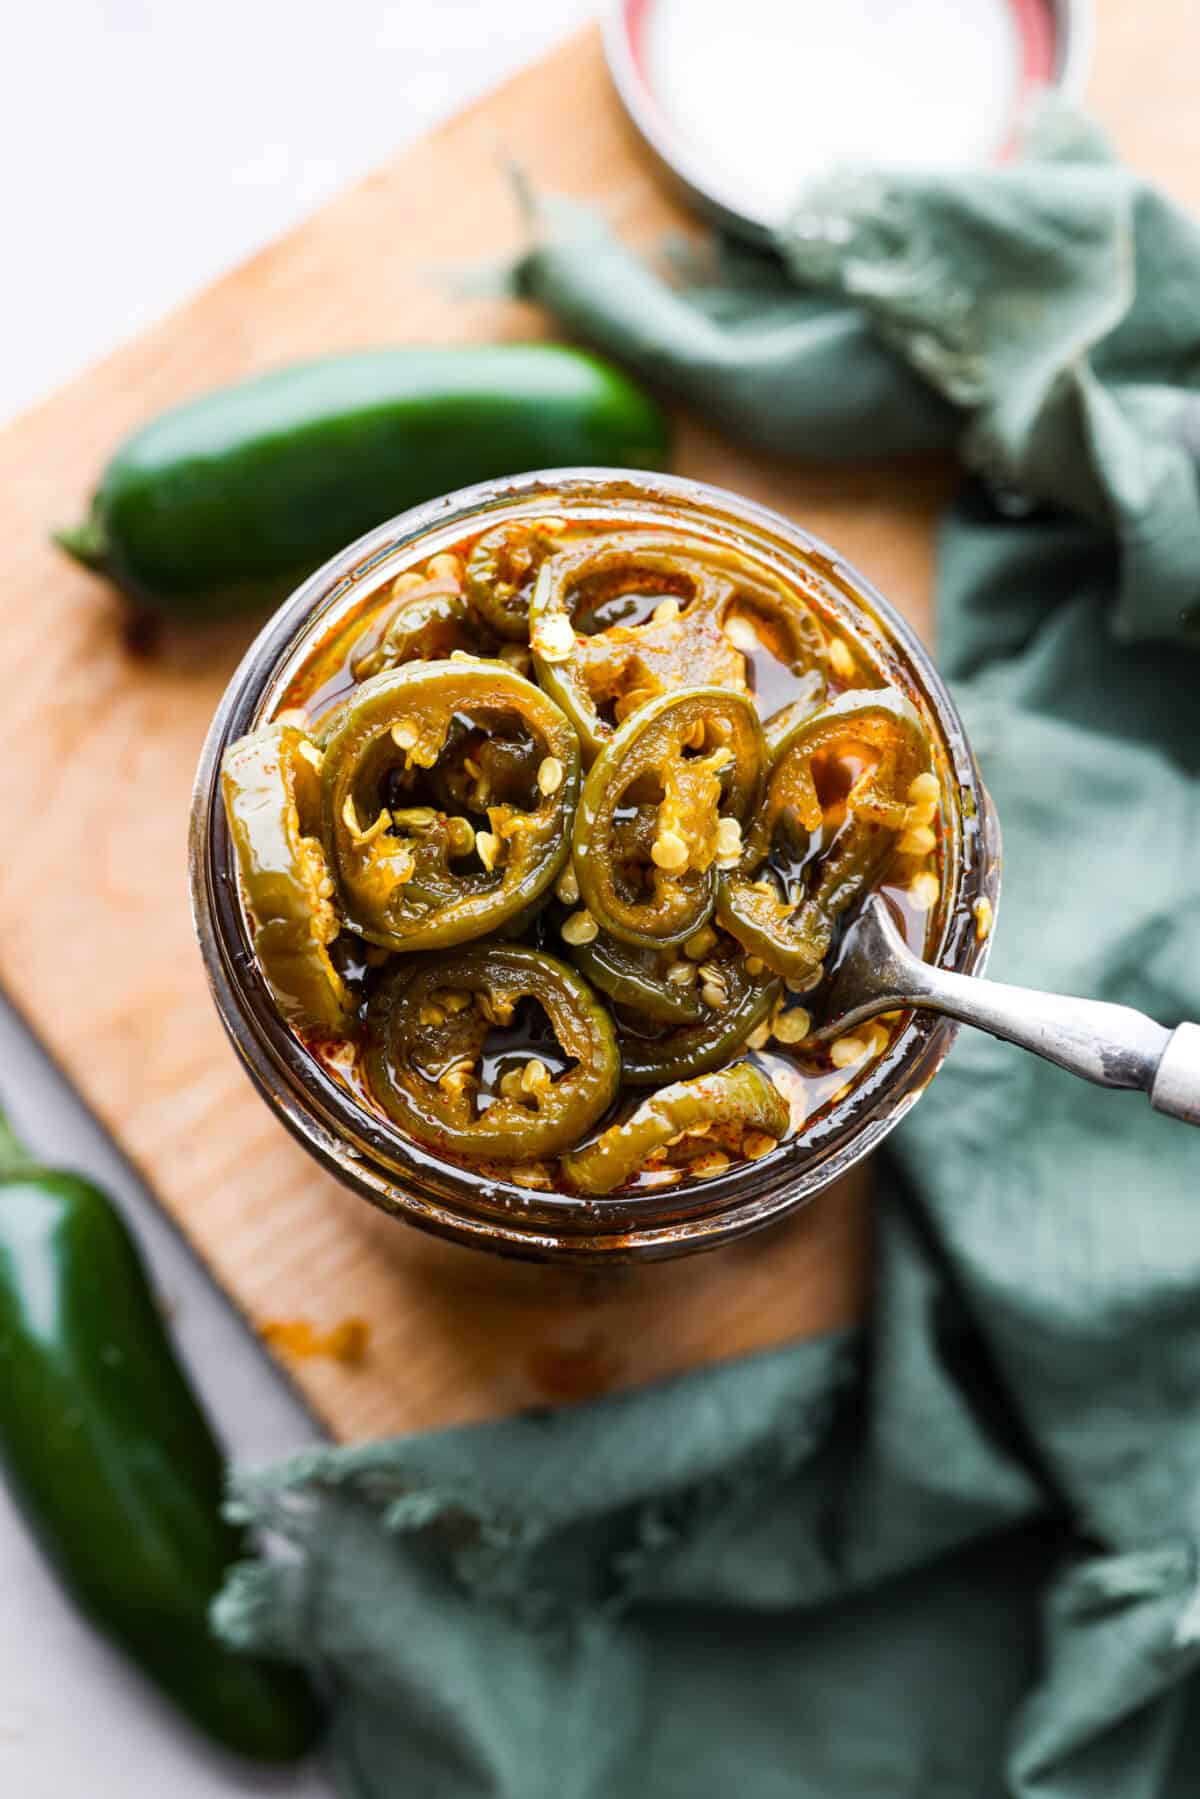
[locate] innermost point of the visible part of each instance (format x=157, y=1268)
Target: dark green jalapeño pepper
x=230, y=500
x=415, y=876
x=427, y=1024
x=779, y=904
x=112, y=1462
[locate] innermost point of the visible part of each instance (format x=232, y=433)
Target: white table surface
x=144, y=149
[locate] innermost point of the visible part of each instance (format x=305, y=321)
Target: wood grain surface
x=99, y=750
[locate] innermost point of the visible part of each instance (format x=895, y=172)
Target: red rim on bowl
x=742, y=104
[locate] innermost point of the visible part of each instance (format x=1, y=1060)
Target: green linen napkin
x=957, y=1555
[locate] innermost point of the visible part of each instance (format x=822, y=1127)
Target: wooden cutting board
x=99, y=749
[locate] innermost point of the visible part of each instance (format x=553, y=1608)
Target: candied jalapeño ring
x=790, y=924
x=691, y=640
x=429, y=621
x=697, y=759
x=736, y=1101
x=733, y=1000
x=272, y=798
x=394, y=857
x=632, y=978
x=424, y=1047
x=502, y=569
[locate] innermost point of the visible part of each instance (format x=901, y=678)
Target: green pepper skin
x=113, y=1463
x=792, y=932
x=228, y=501
x=740, y=1098
x=701, y=1047
x=428, y=623
x=631, y=978
x=501, y=572
x=400, y=891
x=650, y=748
x=689, y=650
x=412, y=1039
x=624, y=665
x=271, y=792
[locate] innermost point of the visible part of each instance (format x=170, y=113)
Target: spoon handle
x=1114, y=1046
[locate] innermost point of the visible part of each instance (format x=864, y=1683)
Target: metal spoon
x=1114, y=1046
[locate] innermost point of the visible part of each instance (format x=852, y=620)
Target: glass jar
x=397, y=1176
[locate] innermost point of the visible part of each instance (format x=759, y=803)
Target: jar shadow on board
x=588, y=1236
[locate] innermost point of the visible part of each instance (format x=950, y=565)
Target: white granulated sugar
x=765, y=93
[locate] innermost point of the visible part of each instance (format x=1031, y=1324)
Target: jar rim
x=397, y=1175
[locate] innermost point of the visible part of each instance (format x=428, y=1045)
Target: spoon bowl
x=1112, y=1046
